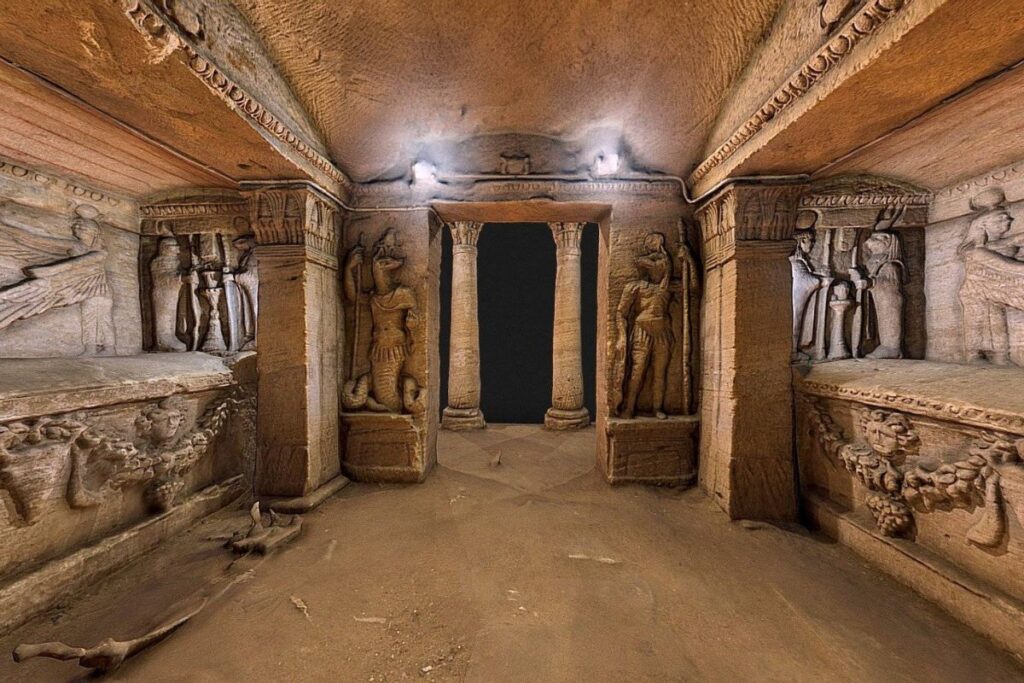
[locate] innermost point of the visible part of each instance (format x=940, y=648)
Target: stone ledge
x=31, y=387
x=982, y=396
x=38, y=590
x=980, y=606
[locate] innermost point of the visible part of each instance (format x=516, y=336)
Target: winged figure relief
x=55, y=272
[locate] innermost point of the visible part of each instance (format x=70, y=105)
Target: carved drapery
x=567, y=411
x=463, y=409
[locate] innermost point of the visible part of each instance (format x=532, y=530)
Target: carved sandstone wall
x=82, y=298
x=954, y=211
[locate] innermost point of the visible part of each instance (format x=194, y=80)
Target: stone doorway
x=516, y=270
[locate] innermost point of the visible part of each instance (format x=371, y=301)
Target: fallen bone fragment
x=109, y=653
x=262, y=538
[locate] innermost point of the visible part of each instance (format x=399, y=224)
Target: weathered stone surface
x=652, y=451
x=384, y=447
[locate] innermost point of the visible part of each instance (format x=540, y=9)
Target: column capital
x=465, y=233
x=290, y=215
x=567, y=235
x=747, y=213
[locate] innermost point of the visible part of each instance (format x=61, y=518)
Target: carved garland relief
x=75, y=454
x=881, y=462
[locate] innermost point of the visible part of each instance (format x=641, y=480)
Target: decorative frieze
x=293, y=216
x=759, y=214
x=73, y=189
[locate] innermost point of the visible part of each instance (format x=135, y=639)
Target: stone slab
x=982, y=396
x=303, y=504
x=38, y=386
x=383, y=447
x=652, y=451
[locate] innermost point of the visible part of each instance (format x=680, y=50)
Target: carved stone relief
x=887, y=461
x=993, y=284
x=654, y=315
x=48, y=272
x=393, y=310
x=88, y=462
x=202, y=281
x=851, y=269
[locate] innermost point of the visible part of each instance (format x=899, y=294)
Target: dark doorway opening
x=516, y=304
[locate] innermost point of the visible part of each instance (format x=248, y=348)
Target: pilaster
x=746, y=461
x=297, y=233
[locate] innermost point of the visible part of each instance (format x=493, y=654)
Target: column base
x=462, y=419
x=565, y=420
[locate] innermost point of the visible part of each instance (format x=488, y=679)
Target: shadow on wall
x=516, y=294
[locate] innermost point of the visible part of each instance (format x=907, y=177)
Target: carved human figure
x=883, y=260
x=393, y=314
x=69, y=271
x=807, y=283
x=993, y=279
x=165, y=288
x=247, y=280
x=644, y=341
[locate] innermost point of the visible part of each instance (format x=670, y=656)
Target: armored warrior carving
x=69, y=271
x=644, y=341
x=165, y=282
x=393, y=315
x=993, y=279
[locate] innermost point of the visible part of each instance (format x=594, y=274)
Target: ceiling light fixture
x=424, y=172
x=606, y=164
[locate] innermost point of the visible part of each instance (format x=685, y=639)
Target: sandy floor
x=534, y=570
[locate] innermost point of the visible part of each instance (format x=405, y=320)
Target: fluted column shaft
x=567, y=411
x=463, y=410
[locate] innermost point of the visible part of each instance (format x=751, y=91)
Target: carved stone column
x=746, y=443
x=463, y=410
x=297, y=236
x=567, y=411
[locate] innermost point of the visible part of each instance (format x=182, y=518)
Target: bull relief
x=386, y=388
x=203, y=274
x=888, y=463
x=851, y=269
x=993, y=285
x=40, y=272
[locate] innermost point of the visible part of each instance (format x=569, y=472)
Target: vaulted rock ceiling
x=388, y=79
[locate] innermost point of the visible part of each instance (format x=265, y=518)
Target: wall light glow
x=424, y=172
x=606, y=164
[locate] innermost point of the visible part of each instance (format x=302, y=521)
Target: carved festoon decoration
x=874, y=272
x=832, y=12
x=887, y=462
x=74, y=454
x=993, y=282
x=646, y=330
x=203, y=275
x=393, y=317
x=56, y=272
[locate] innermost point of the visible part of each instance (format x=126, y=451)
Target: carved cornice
x=288, y=216
x=171, y=34
x=465, y=233
x=756, y=214
x=205, y=211
x=399, y=192
x=78, y=191
x=567, y=236
x=862, y=191
x=955, y=200
x=986, y=418
x=864, y=23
